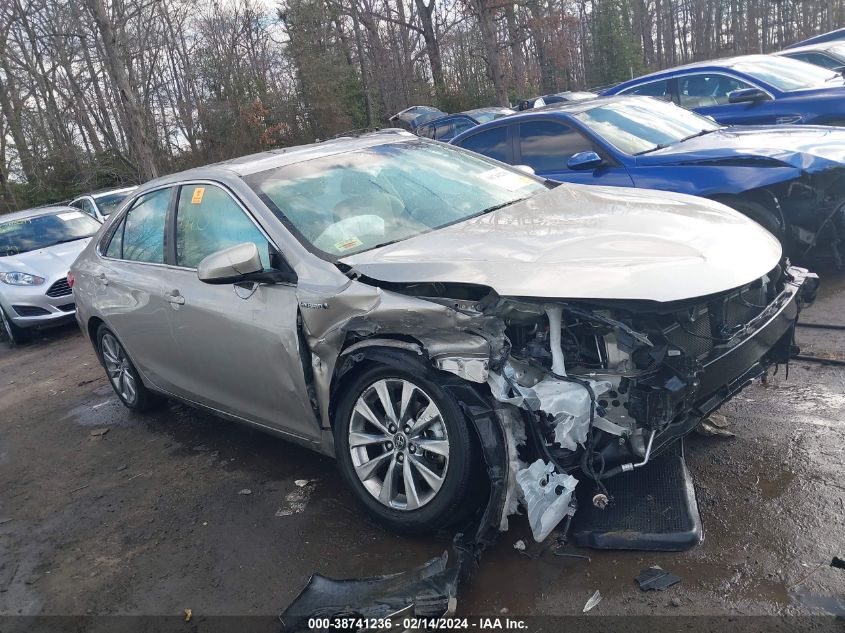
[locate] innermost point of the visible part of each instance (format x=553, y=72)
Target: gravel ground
x=107, y=512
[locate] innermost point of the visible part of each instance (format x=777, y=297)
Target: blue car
x=749, y=90
x=790, y=179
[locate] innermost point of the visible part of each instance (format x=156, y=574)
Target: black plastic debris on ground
x=430, y=590
x=837, y=563
x=655, y=578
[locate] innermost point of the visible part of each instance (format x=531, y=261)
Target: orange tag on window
x=199, y=192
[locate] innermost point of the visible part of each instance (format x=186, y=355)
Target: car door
x=708, y=94
x=129, y=293
x=546, y=145
x=238, y=344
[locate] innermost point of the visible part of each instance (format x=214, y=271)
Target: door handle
x=103, y=279
x=174, y=298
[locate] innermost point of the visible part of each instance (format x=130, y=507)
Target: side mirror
x=525, y=169
x=585, y=160
x=747, y=95
x=231, y=265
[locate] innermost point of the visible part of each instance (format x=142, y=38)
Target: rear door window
x=143, y=232
x=659, y=89
x=208, y=220
x=545, y=146
x=492, y=143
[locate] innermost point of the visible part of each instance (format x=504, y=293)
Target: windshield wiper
x=696, y=135
x=653, y=149
x=67, y=239
x=496, y=207
x=680, y=140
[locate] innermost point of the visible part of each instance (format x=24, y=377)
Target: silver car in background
x=420, y=311
x=100, y=204
x=37, y=247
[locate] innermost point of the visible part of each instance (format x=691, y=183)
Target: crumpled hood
x=50, y=262
x=587, y=242
x=805, y=147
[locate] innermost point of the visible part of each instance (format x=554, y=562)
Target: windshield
x=110, y=202
x=788, y=74
x=642, y=124
x=40, y=231
x=352, y=202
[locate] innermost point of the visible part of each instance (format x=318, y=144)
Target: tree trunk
x=136, y=131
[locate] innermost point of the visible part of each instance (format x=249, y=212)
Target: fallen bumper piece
x=429, y=590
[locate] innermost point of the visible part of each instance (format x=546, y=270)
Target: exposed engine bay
x=603, y=386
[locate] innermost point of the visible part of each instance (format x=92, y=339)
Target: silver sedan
x=433, y=318
x=37, y=248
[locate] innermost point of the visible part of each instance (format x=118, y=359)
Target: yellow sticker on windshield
x=199, y=192
x=345, y=245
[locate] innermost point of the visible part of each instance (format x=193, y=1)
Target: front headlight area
x=16, y=278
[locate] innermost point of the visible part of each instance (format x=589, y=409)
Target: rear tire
x=14, y=333
x=433, y=466
x=124, y=378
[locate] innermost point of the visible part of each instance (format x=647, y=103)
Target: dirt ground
x=178, y=509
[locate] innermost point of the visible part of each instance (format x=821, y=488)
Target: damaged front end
x=609, y=385
x=581, y=390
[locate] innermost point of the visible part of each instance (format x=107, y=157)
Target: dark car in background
x=790, y=179
x=446, y=128
x=828, y=55
x=748, y=90
x=410, y=118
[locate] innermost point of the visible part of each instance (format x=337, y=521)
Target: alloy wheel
x=399, y=444
x=119, y=369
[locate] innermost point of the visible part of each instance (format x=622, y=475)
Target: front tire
x=14, y=333
x=404, y=448
x=122, y=375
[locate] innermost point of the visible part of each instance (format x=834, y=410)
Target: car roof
x=31, y=213
x=487, y=109
x=271, y=159
x=107, y=192
x=836, y=34
x=724, y=62
x=810, y=48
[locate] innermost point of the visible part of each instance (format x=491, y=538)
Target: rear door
x=546, y=145
x=238, y=344
x=128, y=282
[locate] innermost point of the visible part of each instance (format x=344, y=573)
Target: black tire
x=760, y=214
x=457, y=496
x=15, y=334
x=139, y=398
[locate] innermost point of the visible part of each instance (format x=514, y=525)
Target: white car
x=37, y=247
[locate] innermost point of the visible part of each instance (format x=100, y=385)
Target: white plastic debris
x=593, y=601
x=567, y=402
x=547, y=495
x=519, y=546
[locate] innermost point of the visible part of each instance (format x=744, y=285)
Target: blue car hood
x=806, y=147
